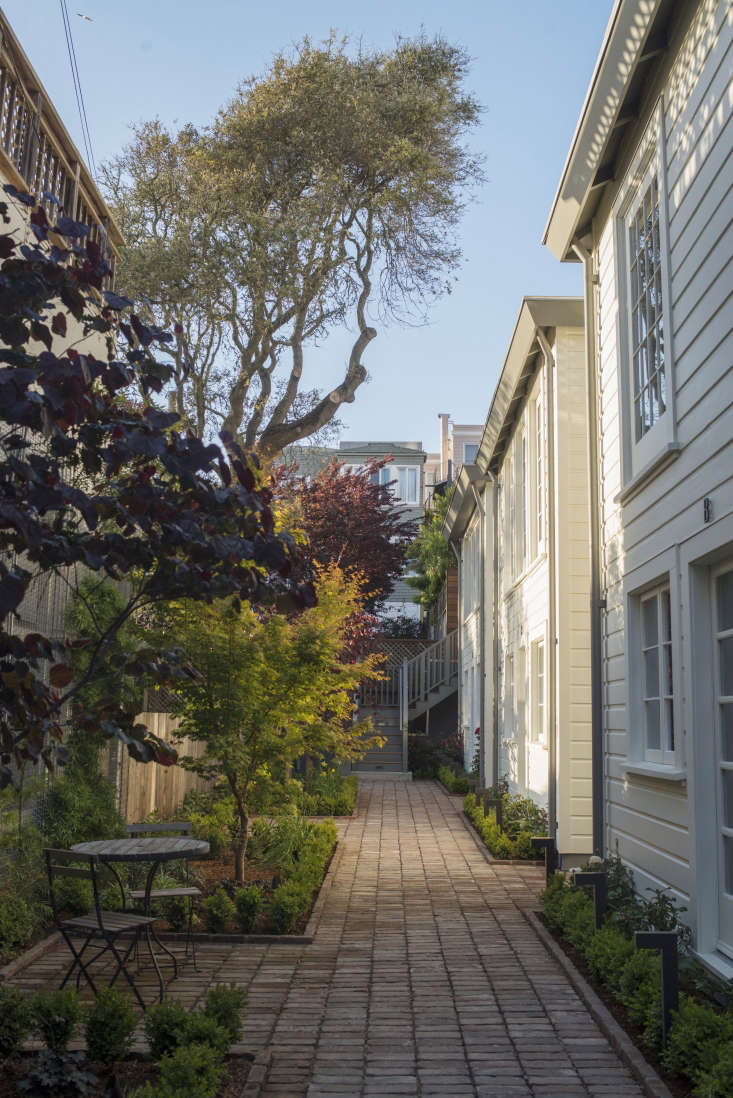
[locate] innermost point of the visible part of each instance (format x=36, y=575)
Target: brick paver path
x=423, y=978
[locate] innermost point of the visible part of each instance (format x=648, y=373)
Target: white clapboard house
x=645, y=203
x=518, y=519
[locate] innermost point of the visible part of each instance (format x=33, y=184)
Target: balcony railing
x=37, y=153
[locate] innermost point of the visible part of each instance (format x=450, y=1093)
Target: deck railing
x=35, y=145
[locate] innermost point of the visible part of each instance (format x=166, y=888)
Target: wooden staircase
x=408, y=691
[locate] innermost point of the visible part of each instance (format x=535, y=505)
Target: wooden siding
x=648, y=820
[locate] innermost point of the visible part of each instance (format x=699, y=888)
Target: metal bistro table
x=156, y=851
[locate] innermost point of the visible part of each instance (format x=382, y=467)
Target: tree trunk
x=240, y=850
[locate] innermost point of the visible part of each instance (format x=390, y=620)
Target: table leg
x=150, y=932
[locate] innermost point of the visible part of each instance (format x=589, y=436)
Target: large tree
x=326, y=194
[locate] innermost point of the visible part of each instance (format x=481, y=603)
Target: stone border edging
x=651, y=1083
x=12, y=968
x=323, y=891
x=235, y=939
x=257, y=1075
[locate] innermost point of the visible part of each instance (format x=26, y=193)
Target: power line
x=86, y=135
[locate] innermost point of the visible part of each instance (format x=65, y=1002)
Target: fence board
x=144, y=787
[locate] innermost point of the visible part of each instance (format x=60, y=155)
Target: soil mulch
x=130, y=1073
x=679, y=1087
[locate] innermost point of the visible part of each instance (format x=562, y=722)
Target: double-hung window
x=539, y=727
x=657, y=676
x=645, y=362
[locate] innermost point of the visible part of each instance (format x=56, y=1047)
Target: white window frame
x=510, y=713
x=520, y=477
x=538, y=690
x=539, y=467
x=466, y=459
x=642, y=457
x=660, y=692
x=638, y=585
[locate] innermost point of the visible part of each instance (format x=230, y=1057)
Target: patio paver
x=423, y=977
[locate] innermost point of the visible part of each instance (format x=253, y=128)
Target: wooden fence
x=144, y=787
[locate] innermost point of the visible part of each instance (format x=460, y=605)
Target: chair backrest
x=72, y=863
x=184, y=827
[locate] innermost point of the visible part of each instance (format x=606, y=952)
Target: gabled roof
x=462, y=503
x=635, y=40
x=519, y=367
x=397, y=449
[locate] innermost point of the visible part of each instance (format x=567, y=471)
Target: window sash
x=657, y=676
x=539, y=728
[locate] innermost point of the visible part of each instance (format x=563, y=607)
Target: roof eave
x=621, y=50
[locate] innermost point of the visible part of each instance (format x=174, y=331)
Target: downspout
x=591, y=368
x=459, y=668
x=551, y=567
x=482, y=634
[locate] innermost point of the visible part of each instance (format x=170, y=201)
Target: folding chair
x=185, y=827
x=99, y=930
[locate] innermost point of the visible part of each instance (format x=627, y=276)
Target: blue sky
x=532, y=62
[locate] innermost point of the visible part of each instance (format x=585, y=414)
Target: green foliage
x=453, y=782
x=94, y=610
x=16, y=1019
x=164, y=1025
x=288, y=902
x=717, y=1082
x=639, y=984
x=248, y=902
x=328, y=794
x=502, y=844
x=56, y=1015
x=430, y=554
x=607, y=953
x=58, y=1075
x=696, y=1037
x=272, y=688
x=16, y=924
x=578, y=918
x=193, y=1070
x=110, y=1026
x=202, y=1029
x=216, y=826
x=217, y=911
x=225, y=1003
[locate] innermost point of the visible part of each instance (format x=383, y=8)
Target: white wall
x=658, y=532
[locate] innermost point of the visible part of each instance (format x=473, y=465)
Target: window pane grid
x=657, y=693
x=647, y=334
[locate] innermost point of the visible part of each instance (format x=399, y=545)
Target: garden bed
x=522, y=819
x=678, y=1088
x=131, y=1073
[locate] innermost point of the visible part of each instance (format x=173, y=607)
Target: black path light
x=599, y=883
x=666, y=942
x=540, y=842
x=490, y=799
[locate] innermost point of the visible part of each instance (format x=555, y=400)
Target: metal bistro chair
x=99, y=929
x=185, y=827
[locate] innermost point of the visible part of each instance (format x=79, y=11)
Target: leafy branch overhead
x=94, y=477
x=325, y=195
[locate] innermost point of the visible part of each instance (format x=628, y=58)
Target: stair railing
x=432, y=668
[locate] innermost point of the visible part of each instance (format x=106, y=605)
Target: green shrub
x=225, y=1004
x=201, y=1029
x=695, y=1038
x=579, y=919
x=59, y=1075
x=192, y=1070
x=16, y=1019
x=640, y=984
x=248, y=901
x=16, y=924
x=328, y=794
x=289, y=901
x=74, y=896
x=606, y=954
x=217, y=911
x=164, y=1025
x=216, y=825
x=56, y=1015
x=80, y=804
x=717, y=1082
x=552, y=901
x=110, y=1026
x=453, y=782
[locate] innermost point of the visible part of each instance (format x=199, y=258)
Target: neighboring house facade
x=645, y=203
x=458, y=446
x=519, y=519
